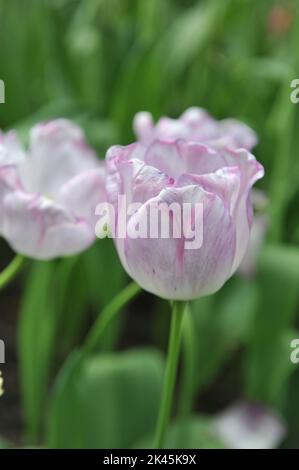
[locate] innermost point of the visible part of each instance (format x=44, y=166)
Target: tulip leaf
x=105, y=273
x=191, y=32
x=106, y=278
x=269, y=362
x=36, y=337
x=40, y=317
x=194, y=433
x=105, y=400
x=73, y=304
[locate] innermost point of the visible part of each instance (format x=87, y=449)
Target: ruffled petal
x=11, y=150
x=128, y=175
x=39, y=228
x=196, y=125
x=57, y=153
x=238, y=134
x=250, y=171
x=83, y=193
x=225, y=183
x=202, y=127
x=164, y=266
x=176, y=158
x=9, y=182
x=166, y=157
x=241, y=170
x=143, y=125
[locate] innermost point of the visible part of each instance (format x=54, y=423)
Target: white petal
x=37, y=227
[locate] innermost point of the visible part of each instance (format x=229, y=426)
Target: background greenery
x=98, y=62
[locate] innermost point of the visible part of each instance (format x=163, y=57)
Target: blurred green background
x=98, y=62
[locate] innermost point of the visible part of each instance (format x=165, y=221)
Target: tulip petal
x=58, y=152
x=248, y=266
x=163, y=266
x=239, y=135
x=166, y=157
x=196, y=125
x=83, y=193
x=130, y=176
x=11, y=150
x=9, y=181
x=195, y=116
x=39, y=228
x=224, y=182
x=143, y=125
x=250, y=171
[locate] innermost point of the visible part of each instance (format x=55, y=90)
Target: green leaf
x=105, y=401
x=106, y=278
x=194, y=433
x=40, y=316
x=105, y=273
x=269, y=362
x=191, y=32
x=36, y=335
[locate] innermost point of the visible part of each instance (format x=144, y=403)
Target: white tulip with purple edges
x=48, y=194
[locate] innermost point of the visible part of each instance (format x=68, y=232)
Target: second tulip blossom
x=196, y=125
x=48, y=194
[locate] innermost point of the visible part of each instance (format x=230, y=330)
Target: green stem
x=189, y=363
x=108, y=313
x=11, y=271
x=170, y=373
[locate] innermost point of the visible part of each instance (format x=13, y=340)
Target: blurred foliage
x=99, y=62
x=114, y=390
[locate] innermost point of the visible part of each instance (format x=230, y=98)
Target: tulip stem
x=11, y=271
x=189, y=364
x=108, y=313
x=170, y=373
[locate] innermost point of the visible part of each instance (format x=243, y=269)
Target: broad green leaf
x=106, y=400
x=40, y=317
x=106, y=278
x=195, y=433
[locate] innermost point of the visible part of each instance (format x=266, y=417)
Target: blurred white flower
x=249, y=426
x=48, y=194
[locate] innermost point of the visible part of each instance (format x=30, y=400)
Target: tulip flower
x=184, y=172
x=48, y=194
x=195, y=124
